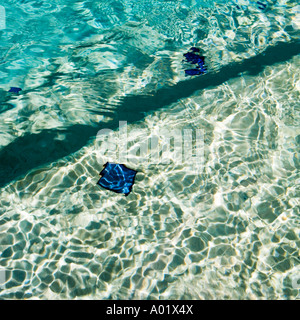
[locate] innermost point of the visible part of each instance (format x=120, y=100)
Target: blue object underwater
x=261, y=5
x=195, y=59
x=117, y=178
x=194, y=49
x=14, y=89
x=192, y=72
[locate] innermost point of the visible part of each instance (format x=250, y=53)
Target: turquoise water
x=216, y=219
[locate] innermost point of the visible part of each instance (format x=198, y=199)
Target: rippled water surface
x=221, y=222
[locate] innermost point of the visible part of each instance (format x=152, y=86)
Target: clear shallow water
x=228, y=229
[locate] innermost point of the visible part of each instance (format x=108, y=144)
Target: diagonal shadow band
x=34, y=150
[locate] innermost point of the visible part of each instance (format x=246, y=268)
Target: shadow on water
x=33, y=150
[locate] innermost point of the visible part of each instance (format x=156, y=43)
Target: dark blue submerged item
x=117, y=178
x=14, y=89
x=192, y=72
x=193, y=57
x=261, y=5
